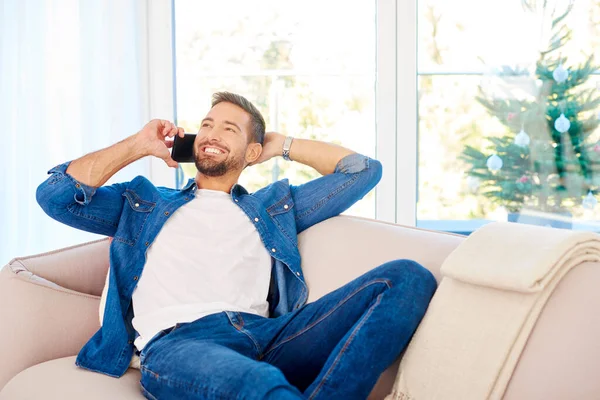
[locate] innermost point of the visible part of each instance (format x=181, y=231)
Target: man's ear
x=253, y=152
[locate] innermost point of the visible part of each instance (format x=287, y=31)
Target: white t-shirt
x=207, y=258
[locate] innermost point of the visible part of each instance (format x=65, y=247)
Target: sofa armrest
x=42, y=318
x=81, y=268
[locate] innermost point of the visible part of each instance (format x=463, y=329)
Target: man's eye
x=205, y=125
x=230, y=129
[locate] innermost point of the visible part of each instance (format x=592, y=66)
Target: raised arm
x=321, y=156
x=348, y=177
x=67, y=194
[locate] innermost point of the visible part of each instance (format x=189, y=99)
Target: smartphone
x=183, y=148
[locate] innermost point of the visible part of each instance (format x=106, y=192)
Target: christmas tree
x=546, y=158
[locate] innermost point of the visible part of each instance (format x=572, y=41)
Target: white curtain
x=70, y=84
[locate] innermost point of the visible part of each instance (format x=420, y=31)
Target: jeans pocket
x=151, y=342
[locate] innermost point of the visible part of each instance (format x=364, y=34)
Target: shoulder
x=145, y=189
x=275, y=189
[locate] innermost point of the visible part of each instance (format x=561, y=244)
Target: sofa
x=50, y=306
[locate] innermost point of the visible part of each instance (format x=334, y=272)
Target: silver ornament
x=522, y=139
x=560, y=74
x=494, y=163
x=562, y=124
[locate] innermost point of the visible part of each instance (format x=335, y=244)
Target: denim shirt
x=134, y=212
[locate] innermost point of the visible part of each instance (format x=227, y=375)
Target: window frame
x=395, y=100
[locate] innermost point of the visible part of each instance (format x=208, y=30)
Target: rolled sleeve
x=352, y=164
x=330, y=195
x=69, y=201
x=83, y=193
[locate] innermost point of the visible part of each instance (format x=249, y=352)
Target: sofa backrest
x=336, y=251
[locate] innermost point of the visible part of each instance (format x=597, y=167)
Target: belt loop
x=233, y=317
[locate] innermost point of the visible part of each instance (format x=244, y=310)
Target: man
x=219, y=311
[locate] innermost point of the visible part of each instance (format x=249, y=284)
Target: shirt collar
x=190, y=183
x=237, y=189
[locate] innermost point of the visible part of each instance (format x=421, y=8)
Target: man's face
x=222, y=140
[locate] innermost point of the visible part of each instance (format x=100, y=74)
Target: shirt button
x=77, y=185
x=286, y=207
x=273, y=250
x=130, y=341
x=166, y=213
x=298, y=273
x=236, y=200
x=137, y=204
x=256, y=219
x=135, y=278
x=147, y=243
x=187, y=198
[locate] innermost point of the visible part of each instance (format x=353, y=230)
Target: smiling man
x=206, y=284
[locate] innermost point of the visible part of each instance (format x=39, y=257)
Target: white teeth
x=212, y=150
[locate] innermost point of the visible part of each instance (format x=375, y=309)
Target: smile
x=213, y=150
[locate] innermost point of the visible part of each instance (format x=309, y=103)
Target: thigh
x=209, y=359
x=196, y=369
x=302, y=341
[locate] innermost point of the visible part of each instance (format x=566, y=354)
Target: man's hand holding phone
x=154, y=139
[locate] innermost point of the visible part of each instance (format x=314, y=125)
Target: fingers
x=164, y=128
x=169, y=129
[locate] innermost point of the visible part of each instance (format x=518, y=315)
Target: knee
x=410, y=276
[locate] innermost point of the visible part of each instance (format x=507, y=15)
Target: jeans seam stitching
x=190, y=387
x=307, y=328
x=245, y=332
x=146, y=391
x=319, y=387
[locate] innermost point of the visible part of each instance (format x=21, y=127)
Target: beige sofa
x=49, y=309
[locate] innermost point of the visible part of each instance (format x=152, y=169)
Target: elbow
x=43, y=196
x=372, y=174
x=376, y=171
x=51, y=200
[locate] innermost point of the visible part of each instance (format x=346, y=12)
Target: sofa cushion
x=62, y=379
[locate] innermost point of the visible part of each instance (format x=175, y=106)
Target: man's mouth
x=213, y=150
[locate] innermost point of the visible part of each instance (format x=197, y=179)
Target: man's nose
x=213, y=134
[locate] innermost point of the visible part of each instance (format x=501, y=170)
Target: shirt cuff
x=352, y=163
x=83, y=193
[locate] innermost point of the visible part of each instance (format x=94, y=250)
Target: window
x=310, y=77
x=506, y=132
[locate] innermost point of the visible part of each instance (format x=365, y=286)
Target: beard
x=206, y=165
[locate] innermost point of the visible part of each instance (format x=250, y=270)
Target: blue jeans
x=333, y=348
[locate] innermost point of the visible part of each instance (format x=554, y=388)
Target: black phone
x=183, y=148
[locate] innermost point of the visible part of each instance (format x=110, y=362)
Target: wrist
x=137, y=146
x=286, y=148
x=279, y=146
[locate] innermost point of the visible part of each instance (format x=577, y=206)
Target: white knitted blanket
x=494, y=287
